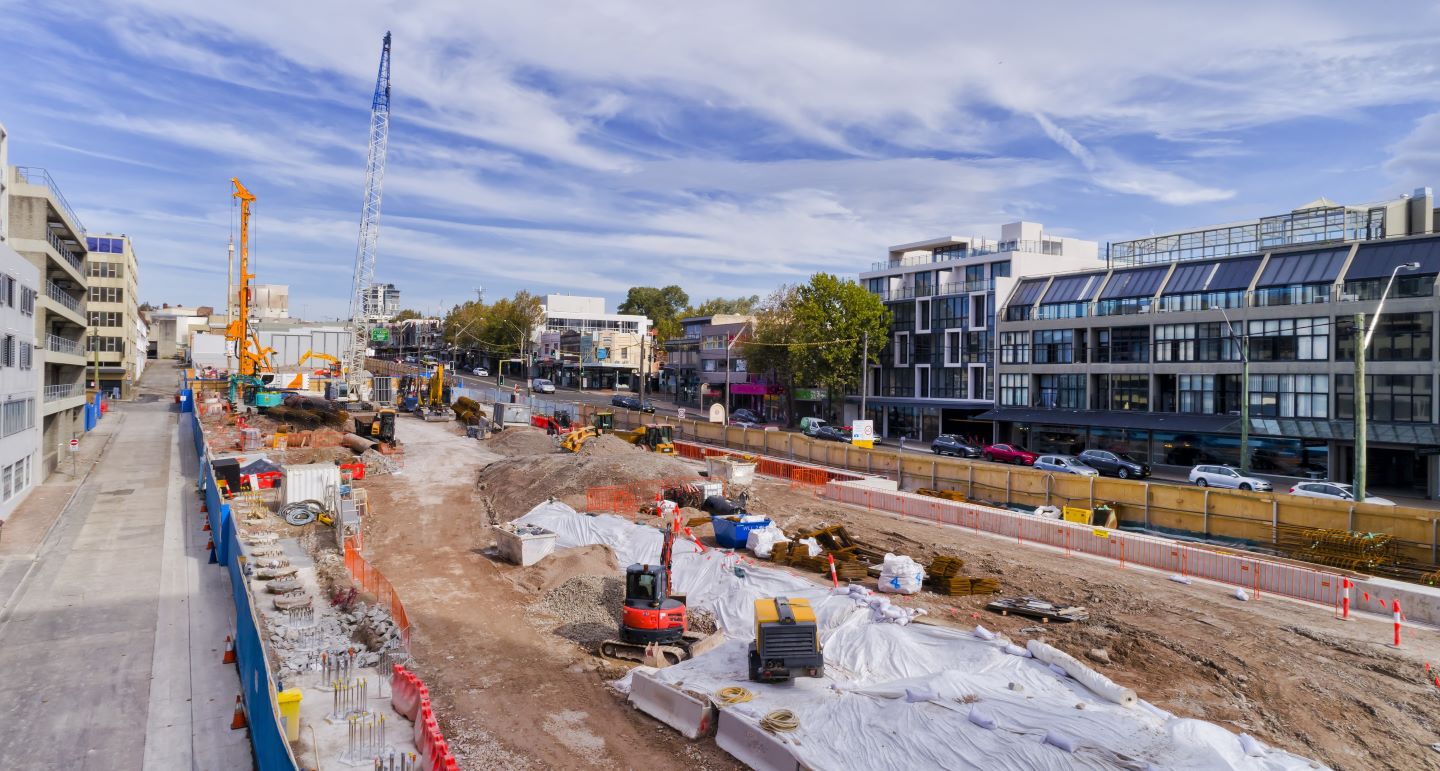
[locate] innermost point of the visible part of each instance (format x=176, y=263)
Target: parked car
x=1224, y=476
x=542, y=386
x=480, y=372
x=808, y=426
x=1115, y=464
x=1064, y=464
x=949, y=444
x=744, y=417
x=832, y=434
x=1008, y=453
x=1335, y=491
x=631, y=403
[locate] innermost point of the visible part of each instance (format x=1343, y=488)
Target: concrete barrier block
x=751, y=745
x=692, y=716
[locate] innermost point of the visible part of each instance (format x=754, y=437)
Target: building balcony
x=61, y=397
x=978, y=248
x=64, y=304
x=34, y=175
x=63, y=350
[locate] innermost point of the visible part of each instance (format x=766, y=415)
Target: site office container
x=309, y=482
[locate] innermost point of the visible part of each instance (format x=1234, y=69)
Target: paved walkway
x=111, y=646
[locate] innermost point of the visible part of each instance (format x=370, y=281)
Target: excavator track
x=619, y=649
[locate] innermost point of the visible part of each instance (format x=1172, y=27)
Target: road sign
x=862, y=433
x=74, y=445
x=680, y=413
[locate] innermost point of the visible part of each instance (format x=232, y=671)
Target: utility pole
x=864, y=375
x=1244, y=340
x=644, y=374
x=1362, y=342
x=229, y=301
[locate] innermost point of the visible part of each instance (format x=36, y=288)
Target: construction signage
x=862, y=433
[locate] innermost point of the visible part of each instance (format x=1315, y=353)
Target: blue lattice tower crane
x=360, y=312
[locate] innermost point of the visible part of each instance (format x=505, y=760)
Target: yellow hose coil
x=733, y=695
x=780, y=720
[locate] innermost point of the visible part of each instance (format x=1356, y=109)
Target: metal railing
x=64, y=250
x=59, y=295
x=978, y=248
x=34, y=175
x=60, y=344
x=64, y=391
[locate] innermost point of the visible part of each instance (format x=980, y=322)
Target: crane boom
x=369, y=227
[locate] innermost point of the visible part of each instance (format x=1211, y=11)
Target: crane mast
x=369, y=228
x=238, y=330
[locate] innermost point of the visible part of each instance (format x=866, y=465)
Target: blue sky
x=587, y=147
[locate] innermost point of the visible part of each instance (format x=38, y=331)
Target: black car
x=1115, y=464
x=832, y=434
x=948, y=444
x=631, y=403
x=746, y=417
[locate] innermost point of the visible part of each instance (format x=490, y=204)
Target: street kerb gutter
x=6, y=608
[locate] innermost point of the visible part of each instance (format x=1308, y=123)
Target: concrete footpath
x=111, y=646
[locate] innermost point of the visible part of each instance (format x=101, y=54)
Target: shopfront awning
x=1344, y=430
x=1160, y=421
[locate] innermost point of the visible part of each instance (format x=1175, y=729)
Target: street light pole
x=864, y=375
x=1362, y=338
x=1244, y=393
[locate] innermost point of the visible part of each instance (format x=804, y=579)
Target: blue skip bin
x=731, y=533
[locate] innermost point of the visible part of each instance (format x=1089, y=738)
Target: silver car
x=1224, y=476
x=1335, y=491
x=1064, y=464
x=542, y=386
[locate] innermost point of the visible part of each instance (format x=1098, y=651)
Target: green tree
x=662, y=306
x=767, y=349
x=829, y=320
x=742, y=306
x=406, y=315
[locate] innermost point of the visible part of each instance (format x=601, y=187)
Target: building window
x=1405, y=286
x=8, y=356
x=105, y=318
x=27, y=301
x=7, y=290
x=105, y=344
x=18, y=415
x=1290, y=396
x=922, y=315
x=1019, y=312
x=1294, y=294
x=978, y=317
x=1000, y=269
x=1063, y=311
x=1129, y=393
x=1065, y=392
x=1054, y=346
x=1388, y=398
x=1202, y=301
x=1014, y=390
x=1195, y=342
x=1400, y=337
x=1175, y=342
x=1014, y=347
x=105, y=269
x=27, y=355
x=1290, y=339
x=902, y=349
x=1123, y=345
x=953, y=349
x=106, y=294
x=1123, y=307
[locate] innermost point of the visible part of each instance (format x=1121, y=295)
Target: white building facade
x=20, y=380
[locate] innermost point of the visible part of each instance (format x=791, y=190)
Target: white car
x=1335, y=492
x=542, y=386
x=1224, y=476
x=1065, y=464
x=480, y=372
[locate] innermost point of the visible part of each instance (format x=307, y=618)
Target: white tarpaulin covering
x=858, y=715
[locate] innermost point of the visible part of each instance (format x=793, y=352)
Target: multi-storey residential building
x=46, y=232
x=936, y=370
x=112, y=309
x=20, y=378
x=382, y=302
x=616, y=334
x=697, y=364
x=1146, y=356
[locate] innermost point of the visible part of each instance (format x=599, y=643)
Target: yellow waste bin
x=289, y=701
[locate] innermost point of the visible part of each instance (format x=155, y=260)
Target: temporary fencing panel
x=374, y=582
x=267, y=737
x=1246, y=571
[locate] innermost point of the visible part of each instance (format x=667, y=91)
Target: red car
x=1009, y=453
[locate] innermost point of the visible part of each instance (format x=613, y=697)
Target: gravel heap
x=514, y=485
x=522, y=440
x=587, y=607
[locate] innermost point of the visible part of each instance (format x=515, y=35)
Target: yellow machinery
x=434, y=403
x=603, y=421
x=577, y=438
x=334, y=370
x=787, y=641
x=254, y=358
x=654, y=437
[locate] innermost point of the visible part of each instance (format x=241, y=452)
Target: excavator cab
x=660, y=438
x=604, y=421
x=651, y=615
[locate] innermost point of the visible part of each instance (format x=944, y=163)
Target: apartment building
x=20, y=376
x=46, y=232
x=112, y=309
x=697, y=364
x=382, y=303
x=580, y=345
x=1147, y=355
x=937, y=367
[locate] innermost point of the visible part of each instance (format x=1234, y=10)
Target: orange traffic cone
x=206, y=528
x=238, y=721
x=210, y=544
x=229, y=650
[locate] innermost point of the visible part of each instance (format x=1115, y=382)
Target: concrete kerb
x=5, y=607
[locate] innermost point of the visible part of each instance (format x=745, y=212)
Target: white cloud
x=1415, y=159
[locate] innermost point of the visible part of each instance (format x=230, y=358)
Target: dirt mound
x=522, y=440
x=587, y=607
x=511, y=487
x=551, y=572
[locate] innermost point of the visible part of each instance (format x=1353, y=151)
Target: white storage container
x=507, y=414
x=733, y=471
x=524, y=545
x=309, y=482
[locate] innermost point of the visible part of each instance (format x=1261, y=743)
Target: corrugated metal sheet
x=1134, y=283
x=309, y=482
x=1189, y=278
x=1317, y=267
x=1377, y=260
x=333, y=342
x=1069, y=289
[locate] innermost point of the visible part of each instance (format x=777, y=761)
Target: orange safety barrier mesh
x=371, y=580
x=613, y=499
x=809, y=478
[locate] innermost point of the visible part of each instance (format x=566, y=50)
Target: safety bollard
x=834, y=580
x=1397, y=623
x=1345, y=598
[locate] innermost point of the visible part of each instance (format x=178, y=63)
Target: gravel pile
x=522, y=440
x=514, y=485
x=586, y=607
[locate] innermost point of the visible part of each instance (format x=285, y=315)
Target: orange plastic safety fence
x=613, y=499
x=809, y=479
x=371, y=580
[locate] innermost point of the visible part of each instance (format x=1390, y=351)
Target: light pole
x=728, y=345
x=1244, y=392
x=1362, y=336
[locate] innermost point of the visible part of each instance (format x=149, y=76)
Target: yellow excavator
x=334, y=370
x=655, y=437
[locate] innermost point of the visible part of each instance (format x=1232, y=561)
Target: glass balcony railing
x=978, y=248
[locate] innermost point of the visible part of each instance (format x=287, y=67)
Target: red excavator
x=653, y=621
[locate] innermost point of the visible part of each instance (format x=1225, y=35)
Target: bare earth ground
x=515, y=693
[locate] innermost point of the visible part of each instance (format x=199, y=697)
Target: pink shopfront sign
x=751, y=389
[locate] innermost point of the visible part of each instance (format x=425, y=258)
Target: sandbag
x=901, y=575
x=1063, y=741
x=913, y=695
x=1015, y=650
x=1101, y=685
x=983, y=633
x=761, y=541
x=1252, y=746
x=982, y=717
